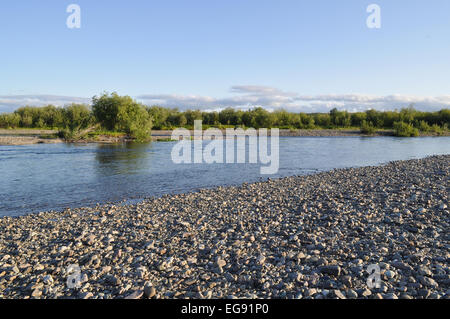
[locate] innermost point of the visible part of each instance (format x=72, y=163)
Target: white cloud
x=9, y=103
x=248, y=96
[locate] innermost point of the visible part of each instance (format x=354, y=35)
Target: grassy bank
x=123, y=115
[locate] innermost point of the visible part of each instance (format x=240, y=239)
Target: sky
x=300, y=55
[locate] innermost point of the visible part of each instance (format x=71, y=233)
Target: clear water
x=56, y=176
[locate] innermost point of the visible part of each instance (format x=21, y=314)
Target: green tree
x=122, y=113
x=261, y=118
x=9, y=120
x=402, y=129
x=134, y=120
x=106, y=109
x=192, y=116
x=367, y=128
x=159, y=116
x=76, y=117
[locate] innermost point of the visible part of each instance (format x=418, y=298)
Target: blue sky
x=300, y=55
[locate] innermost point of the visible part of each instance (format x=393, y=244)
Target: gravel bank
x=164, y=135
x=297, y=237
x=27, y=140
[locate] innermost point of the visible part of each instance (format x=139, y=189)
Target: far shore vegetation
x=117, y=116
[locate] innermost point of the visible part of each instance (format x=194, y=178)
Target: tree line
x=115, y=113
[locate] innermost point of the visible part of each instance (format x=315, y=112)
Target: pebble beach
x=302, y=237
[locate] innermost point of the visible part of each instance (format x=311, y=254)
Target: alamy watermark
x=74, y=277
x=374, y=279
x=374, y=19
x=191, y=149
x=74, y=19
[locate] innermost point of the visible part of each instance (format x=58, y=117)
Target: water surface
x=55, y=176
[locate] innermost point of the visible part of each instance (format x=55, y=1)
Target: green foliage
x=322, y=120
x=424, y=126
x=340, y=118
x=375, y=117
x=75, y=119
x=176, y=120
x=40, y=117
x=9, y=120
x=159, y=116
x=106, y=109
x=211, y=118
x=134, y=120
x=231, y=116
x=438, y=130
x=261, y=118
x=358, y=118
x=402, y=129
x=122, y=113
x=367, y=128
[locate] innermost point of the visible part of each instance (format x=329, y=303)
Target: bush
x=122, y=113
x=9, y=120
x=134, y=120
x=437, y=129
x=402, y=129
x=367, y=128
x=106, y=109
x=424, y=127
x=76, y=117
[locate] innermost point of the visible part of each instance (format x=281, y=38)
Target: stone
x=114, y=280
x=334, y=270
x=36, y=293
x=339, y=294
x=366, y=292
x=351, y=294
x=390, y=274
x=220, y=263
x=86, y=295
x=390, y=296
x=38, y=267
x=135, y=295
x=347, y=281
x=261, y=260
x=48, y=280
x=429, y=282
x=149, y=290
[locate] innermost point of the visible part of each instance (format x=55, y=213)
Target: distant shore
x=310, y=237
x=39, y=136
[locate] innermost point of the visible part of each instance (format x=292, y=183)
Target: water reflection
x=119, y=159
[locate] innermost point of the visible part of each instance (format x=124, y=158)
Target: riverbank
x=298, y=237
x=167, y=134
x=28, y=137
x=37, y=136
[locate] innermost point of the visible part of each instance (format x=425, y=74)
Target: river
x=56, y=176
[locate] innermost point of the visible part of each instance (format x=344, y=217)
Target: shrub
x=122, y=113
x=424, y=127
x=9, y=120
x=437, y=129
x=106, y=109
x=367, y=128
x=402, y=129
x=134, y=120
x=76, y=117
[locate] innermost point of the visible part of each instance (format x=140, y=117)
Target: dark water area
x=56, y=176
